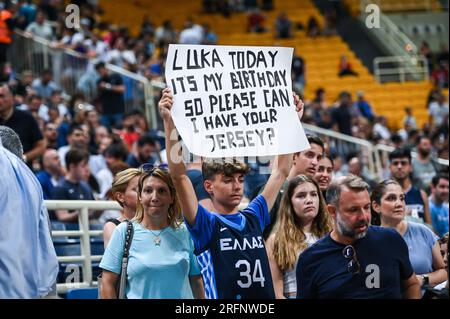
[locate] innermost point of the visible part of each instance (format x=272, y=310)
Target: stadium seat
x=82, y=293
x=69, y=247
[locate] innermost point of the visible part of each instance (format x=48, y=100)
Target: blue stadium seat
x=69, y=247
x=97, y=246
x=83, y=293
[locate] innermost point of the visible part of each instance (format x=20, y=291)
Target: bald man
x=52, y=174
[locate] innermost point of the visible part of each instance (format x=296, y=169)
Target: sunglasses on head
x=353, y=265
x=149, y=167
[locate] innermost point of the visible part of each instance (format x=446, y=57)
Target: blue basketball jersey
x=233, y=257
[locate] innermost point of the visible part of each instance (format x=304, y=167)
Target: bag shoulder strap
x=128, y=239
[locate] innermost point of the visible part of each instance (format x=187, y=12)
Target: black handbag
x=120, y=287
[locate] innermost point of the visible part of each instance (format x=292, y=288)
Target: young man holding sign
x=228, y=242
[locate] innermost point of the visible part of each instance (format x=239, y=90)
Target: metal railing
x=85, y=237
x=404, y=62
x=74, y=72
x=400, y=68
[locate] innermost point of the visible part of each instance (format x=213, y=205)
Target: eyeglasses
x=353, y=265
x=149, y=167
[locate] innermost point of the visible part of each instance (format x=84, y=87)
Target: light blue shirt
x=28, y=263
x=439, y=217
x=420, y=240
x=154, y=271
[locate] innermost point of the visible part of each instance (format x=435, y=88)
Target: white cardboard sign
x=234, y=101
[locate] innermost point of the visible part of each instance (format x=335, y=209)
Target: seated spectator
x=209, y=37
x=364, y=107
x=45, y=86
x=114, y=154
x=51, y=135
x=146, y=152
x=330, y=23
x=74, y=185
x=129, y=133
x=439, y=76
x=345, y=68
x=438, y=111
x=298, y=73
x=256, y=21
x=283, y=26
x=267, y=5
x=313, y=28
x=192, y=33
x=380, y=128
x=388, y=201
x=302, y=220
x=52, y=173
x=439, y=204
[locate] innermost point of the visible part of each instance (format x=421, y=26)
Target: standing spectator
x=28, y=11
x=302, y=220
x=345, y=67
x=423, y=165
x=28, y=267
x=388, y=200
x=23, y=124
x=160, y=243
x=283, y=26
x=439, y=204
x=123, y=190
x=111, y=90
x=41, y=28
x=416, y=200
x=52, y=173
x=7, y=23
x=342, y=119
x=45, y=86
x=339, y=265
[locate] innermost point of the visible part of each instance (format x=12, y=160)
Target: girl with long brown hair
x=302, y=220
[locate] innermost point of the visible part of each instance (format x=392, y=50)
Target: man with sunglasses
x=355, y=260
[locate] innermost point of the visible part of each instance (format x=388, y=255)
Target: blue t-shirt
x=231, y=252
x=439, y=217
x=322, y=269
x=196, y=178
x=154, y=272
x=420, y=240
x=414, y=202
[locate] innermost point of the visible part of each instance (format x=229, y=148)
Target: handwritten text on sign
x=234, y=101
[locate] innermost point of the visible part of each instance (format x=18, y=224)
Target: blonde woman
x=124, y=191
x=302, y=220
x=161, y=262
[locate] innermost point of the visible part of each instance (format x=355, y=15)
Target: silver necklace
x=157, y=239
